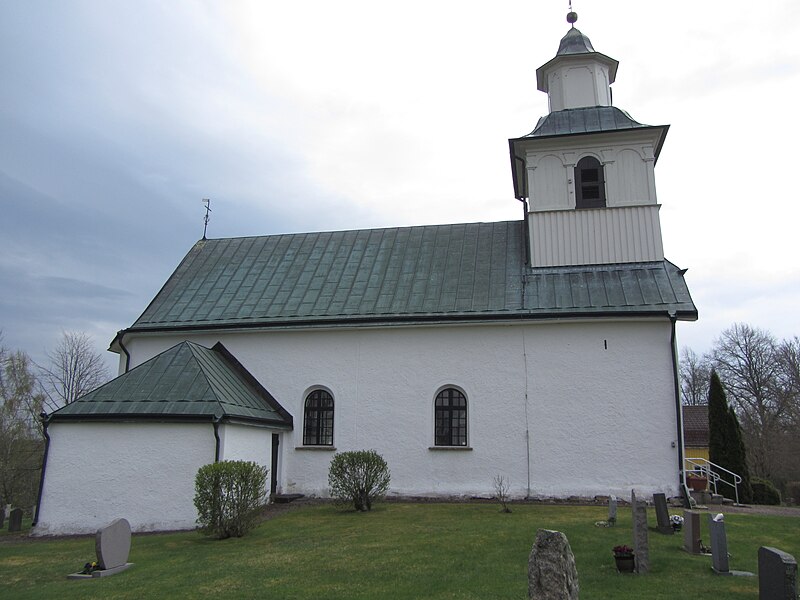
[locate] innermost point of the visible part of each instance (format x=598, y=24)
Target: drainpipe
x=679, y=413
x=127, y=355
x=44, y=466
x=216, y=422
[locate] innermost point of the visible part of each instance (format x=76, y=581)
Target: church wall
x=143, y=472
x=600, y=403
x=245, y=442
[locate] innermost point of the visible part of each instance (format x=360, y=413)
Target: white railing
x=711, y=471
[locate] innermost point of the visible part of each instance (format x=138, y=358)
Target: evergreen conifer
x=726, y=446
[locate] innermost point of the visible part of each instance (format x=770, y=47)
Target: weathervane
x=571, y=15
x=207, y=202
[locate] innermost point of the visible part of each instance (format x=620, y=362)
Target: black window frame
x=450, y=418
x=318, y=413
x=590, y=183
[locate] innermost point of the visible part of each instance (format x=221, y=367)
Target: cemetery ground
x=399, y=550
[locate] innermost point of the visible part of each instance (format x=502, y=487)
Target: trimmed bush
x=793, y=491
x=359, y=476
x=228, y=497
x=764, y=492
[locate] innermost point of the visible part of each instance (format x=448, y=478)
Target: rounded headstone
x=113, y=544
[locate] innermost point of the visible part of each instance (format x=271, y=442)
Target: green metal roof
x=188, y=381
x=345, y=275
x=633, y=288
x=409, y=274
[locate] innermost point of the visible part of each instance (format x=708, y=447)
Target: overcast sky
x=117, y=118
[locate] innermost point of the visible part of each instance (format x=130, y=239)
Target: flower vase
x=625, y=564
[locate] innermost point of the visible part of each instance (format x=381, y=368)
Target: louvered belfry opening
x=590, y=184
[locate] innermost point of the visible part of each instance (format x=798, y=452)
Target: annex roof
x=695, y=426
x=472, y=271
x=187, y=381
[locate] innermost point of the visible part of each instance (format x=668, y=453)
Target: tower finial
x=572, y=16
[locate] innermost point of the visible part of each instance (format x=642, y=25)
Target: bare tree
x=20, y=429
x=747, y=360
x=74, y=369
x=694, y=372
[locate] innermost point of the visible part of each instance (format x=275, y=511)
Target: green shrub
x=793, y=491
x=764, y=492
x=228, y=496
x=359, y=476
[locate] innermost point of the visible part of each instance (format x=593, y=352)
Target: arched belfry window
x=318, y=419
x=450, y=418
x=590, y=183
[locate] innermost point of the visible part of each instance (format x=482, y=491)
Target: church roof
x=436, y=273
x=591, y=119
x=186, y=382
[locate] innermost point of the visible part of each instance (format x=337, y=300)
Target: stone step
x=286, y=498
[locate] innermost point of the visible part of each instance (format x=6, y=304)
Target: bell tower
x=586, y=171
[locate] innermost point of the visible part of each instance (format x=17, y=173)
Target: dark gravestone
x=777, y=575
x=552, y=574
x=2, y=516
x=641, y=551
x=15, y=520
x=662, y=514
x=691, y=531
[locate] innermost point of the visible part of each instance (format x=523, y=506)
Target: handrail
x=703, y=467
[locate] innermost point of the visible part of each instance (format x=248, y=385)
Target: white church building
x=542, y=349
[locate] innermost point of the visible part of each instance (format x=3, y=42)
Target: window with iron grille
x=590, y=183
x=450, y=418
x=318, y=419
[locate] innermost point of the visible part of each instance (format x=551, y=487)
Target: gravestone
x=113, y=544
x=552, y=574
x=719, y=544
x=662, y=514
x=612, y=511
x=641, y=551
x=691, y=531
x=15, y=520
x=777, y=575
x=2, y=516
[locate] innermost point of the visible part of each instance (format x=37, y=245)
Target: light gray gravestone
x=719, y=544
x=612, y=511
x=691, y=531
x=641, y=551
x=113, y=544
x=777, y=575
x=552, y=574
x=15, y=520
x=662, y=514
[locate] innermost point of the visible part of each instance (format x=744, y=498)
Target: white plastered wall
x=143, y=472
x=247, y=442
x=593, y=400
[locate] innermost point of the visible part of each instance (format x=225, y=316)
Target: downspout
x=216, y=422
x=45, y=422
x=127, y=354
x=679, y=413
x=525, y=215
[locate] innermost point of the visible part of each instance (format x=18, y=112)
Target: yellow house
x=695, y=432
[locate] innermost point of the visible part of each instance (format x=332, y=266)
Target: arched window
x=590, y=183
x=318, y=419
x=451, y=418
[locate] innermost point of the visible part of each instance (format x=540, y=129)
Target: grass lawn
x=396, y=551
